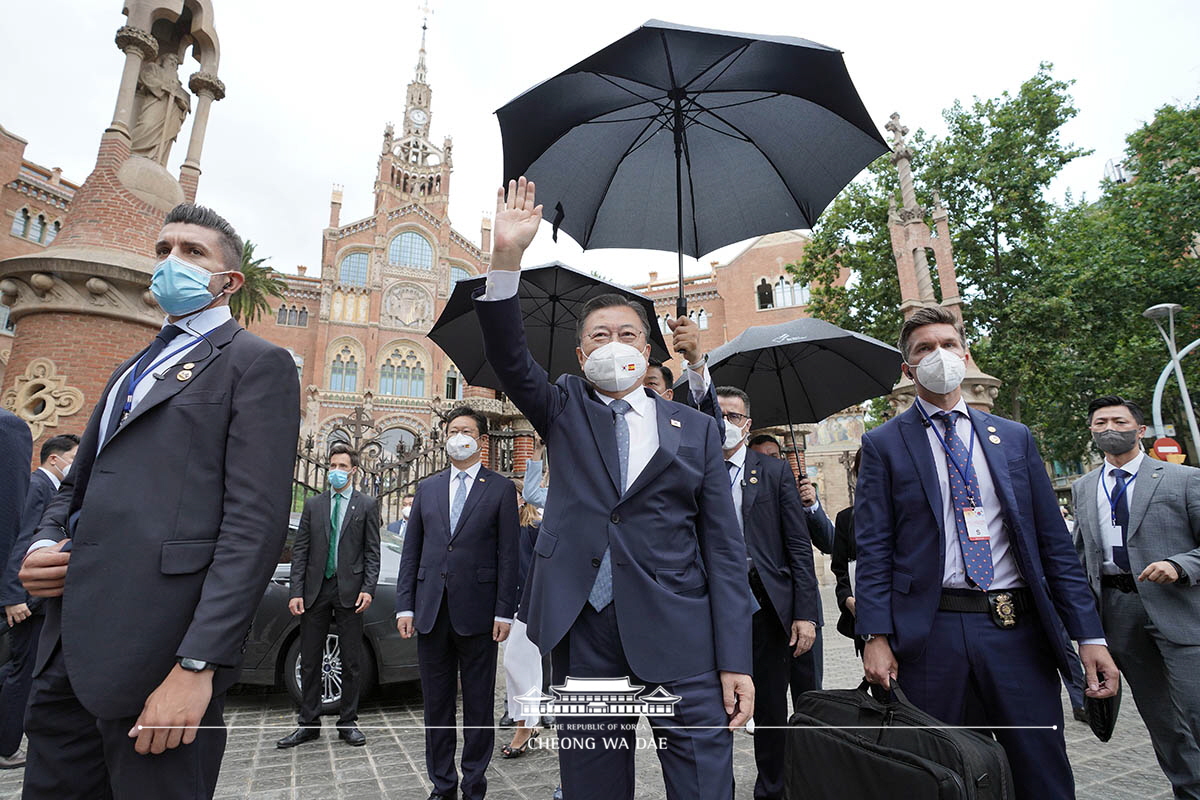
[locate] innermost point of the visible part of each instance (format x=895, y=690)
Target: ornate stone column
x=138, y=46
x=207, y=87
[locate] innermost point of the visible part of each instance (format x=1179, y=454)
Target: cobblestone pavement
x=392, y=764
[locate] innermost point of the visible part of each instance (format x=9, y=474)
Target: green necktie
x=335, y=527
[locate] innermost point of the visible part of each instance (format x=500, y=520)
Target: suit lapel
x=1151, y=473
x=167, y=388
x=668, y=443
x=476, y=491
x=997, y=461
x=441, y=498
x=600, y=418
x=1089, y=515
x=912, y=430
x=750, y=482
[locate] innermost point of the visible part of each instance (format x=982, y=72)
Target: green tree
x=262, y=282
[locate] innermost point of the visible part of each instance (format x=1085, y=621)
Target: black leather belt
x=1004, y=605
x=1122, y=583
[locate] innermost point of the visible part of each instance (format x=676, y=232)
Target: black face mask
x=1116, y=442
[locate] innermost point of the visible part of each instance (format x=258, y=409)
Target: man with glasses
x=1137, y=531
x=639, y=569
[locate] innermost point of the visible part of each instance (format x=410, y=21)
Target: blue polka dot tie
x=964, y=494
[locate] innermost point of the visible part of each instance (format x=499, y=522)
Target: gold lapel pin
x=994, y=439
x=483, y=480
x=183, y=375
x=189, y=365
x=676, y=423
x=753, y=479
x=991, y=428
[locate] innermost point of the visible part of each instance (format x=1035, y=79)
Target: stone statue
x=164, y=106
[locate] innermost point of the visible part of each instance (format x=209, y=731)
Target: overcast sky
x=311, y=85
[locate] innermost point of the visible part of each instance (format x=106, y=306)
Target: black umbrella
x=804, y=370
x=765, y=129
x=552, y=297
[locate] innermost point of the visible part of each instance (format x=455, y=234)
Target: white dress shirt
x=1004, y=565
x=1110, y=535
x=53, y=478
x=642, y=419
x=738, y=459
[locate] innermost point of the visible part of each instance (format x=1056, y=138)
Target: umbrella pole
x=681, y=302
x=787, y=410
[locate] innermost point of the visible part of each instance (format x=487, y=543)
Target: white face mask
x=66, y=470
x=460, y=447
x=733, y=436
x=615, y=367
x=404, y=512
x=941, y=372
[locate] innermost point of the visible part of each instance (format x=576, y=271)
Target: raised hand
x=516, y=224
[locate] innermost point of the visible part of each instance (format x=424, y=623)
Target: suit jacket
x=1164, y=523
x=475, y=566
x=901, y=545
x=777, y=538
x=680, y=592
x=41, y=489
x=357, y=548
x=844, y=552
x=177, y=524
x=16, y=451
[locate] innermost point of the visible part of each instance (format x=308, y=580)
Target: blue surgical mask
x=338, y=478
x=182, y=288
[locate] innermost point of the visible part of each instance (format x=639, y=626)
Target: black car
x=273, y=649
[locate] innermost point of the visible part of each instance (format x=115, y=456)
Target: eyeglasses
x=602, y=336
x=734, y=417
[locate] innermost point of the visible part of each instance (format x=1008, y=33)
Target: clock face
x=418, y=116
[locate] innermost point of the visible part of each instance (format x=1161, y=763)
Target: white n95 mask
x=460, y=447
x=615, y=367
x=941, y=372
x=733, y=436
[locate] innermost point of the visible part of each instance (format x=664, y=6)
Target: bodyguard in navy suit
x=964, y=563
x=639, y=569
x=457, y=589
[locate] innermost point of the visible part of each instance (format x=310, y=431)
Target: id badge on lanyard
x=977, y=530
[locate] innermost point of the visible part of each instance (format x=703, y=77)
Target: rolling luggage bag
x=868, y=742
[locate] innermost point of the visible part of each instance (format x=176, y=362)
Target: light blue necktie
x=601, y=594
x=460, y=500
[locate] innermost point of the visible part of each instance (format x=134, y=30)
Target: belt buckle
x=1004, y=609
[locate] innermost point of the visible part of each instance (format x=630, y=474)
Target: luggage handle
x=891, y=696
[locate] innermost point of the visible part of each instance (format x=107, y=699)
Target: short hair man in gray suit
x=1137, y=530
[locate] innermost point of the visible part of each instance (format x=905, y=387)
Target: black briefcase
x=868, y=742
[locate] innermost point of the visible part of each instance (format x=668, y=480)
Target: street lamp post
x=1156, y=314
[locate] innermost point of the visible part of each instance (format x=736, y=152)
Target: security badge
x=676, y=423
x=1004, y=612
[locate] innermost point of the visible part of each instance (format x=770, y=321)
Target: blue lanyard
x=964, y=472
x=1114, y=500
x=135, y=378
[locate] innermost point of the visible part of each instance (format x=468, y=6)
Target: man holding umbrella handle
x=645, y=580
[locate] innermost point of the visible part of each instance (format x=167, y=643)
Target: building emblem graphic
x=598, y=696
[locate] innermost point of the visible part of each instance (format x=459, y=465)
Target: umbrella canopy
x=552, y=298
x=687, y=139
x=804, y=370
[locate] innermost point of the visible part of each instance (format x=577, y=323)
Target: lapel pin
x=991, y=428
x=483, y=480
x=753, y=479
x=189, y=365
x=994, y=439
x=183, y=375
x=1155, y=476
x=676, y=423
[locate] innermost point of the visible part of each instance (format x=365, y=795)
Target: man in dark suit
x=176, y=511
x=964, y=564
x=335, y=568
x=16, y=451
x=640, y=571
x=1137, y=532
x=24, y=613
x=781, y=576
x=457, y=588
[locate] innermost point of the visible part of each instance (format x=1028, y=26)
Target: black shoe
x=507, y=722
x=1081, y=714
x=298, y=736
x=452, y=796
x=352, y=736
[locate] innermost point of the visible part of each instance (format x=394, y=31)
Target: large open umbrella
x=552, y=297
x=804, y=370
x=759, y=132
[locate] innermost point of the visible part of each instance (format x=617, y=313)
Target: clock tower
x=411, y=168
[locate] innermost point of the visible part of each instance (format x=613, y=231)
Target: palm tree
x=262, y=282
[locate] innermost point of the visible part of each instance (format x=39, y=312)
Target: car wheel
x=331, y=673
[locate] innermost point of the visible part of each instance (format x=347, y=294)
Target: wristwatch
x=866, y=637
x=195, y=664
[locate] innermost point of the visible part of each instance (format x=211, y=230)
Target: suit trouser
x=314, y=628
x=1165, y=680
x=772, y=659
x=974, y=673
x=75, y=756
x=14, y=694
x=444, y=657
x=806, y=671
x=596, y=752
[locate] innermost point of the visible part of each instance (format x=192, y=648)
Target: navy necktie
x=964, y=494
x=1121, y=514
x=159, y=344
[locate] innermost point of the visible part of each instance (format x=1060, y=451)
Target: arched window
x=354, y=270
x=457, y=274
x=702, y=319
x=20, y=223
x=789, y=293
x=764, y=295
x=293, y=316
x=343, y=372
x=402, y=374
x=52, y=232
x=411, y=250
x=454, y=384
x=283, y=316
x=802, y=294
x=35, y=229
x=303, y=318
